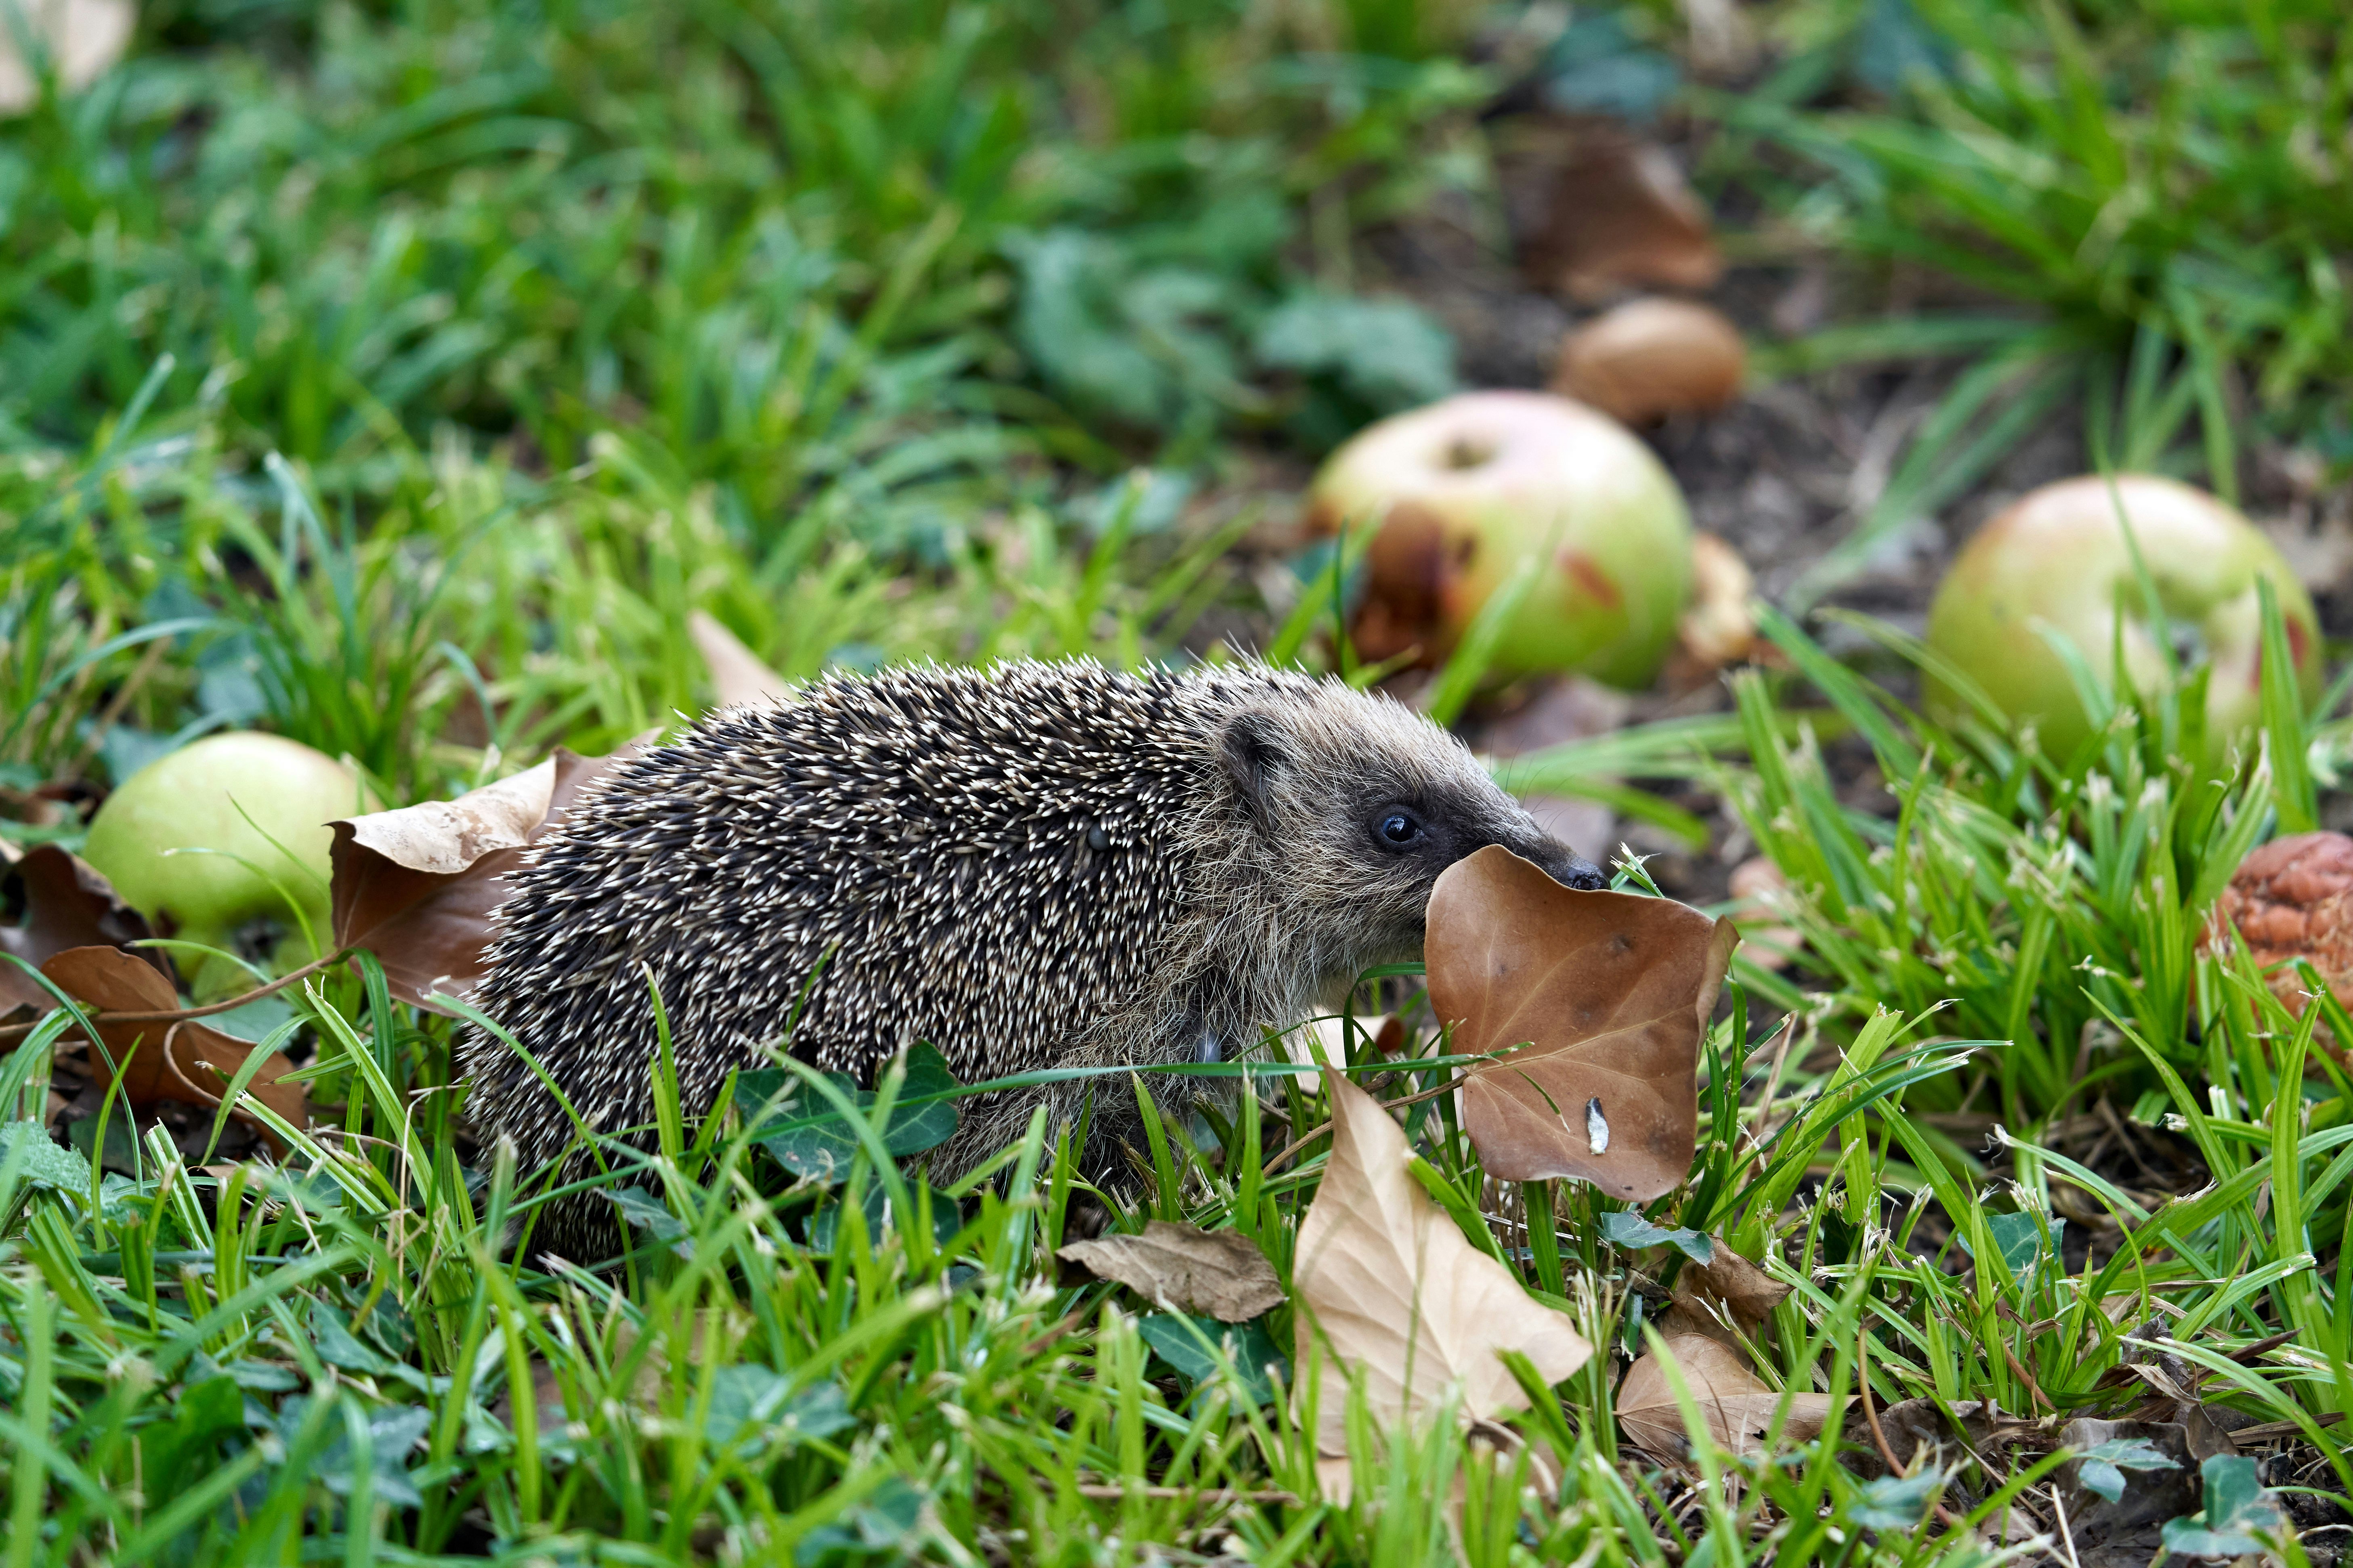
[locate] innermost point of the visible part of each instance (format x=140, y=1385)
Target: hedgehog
x=1033, y=865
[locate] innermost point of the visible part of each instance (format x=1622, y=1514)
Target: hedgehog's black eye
x=1398, y=830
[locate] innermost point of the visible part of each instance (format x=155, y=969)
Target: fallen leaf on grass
x=1388, y=1284
x=1610, y=992
x=183, y=1061
x=1185, y=1268
x=66, y=905
x=1595, y=209
x=417, y=886
x=1722, y=1299
x=1736, y=1407
x=1740, y=1285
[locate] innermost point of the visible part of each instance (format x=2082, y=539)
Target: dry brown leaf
x=1391, y=1286
x=66, y=905
x=737, y=674
x=1646, y=359
x=1746, y=1290
x=1184, y=1268
x=1611, y=993
x=417, y=886
x=84, y=38
x=1735, y=1409
x=183, y=1061
x=1595, y=209
x=1718, y=627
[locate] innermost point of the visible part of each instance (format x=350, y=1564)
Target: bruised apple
x=2058, y=558
x=1459, y=493
x=225, y=842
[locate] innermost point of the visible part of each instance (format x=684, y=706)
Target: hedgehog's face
x=1362, y=806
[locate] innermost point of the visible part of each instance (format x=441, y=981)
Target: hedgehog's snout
x=1568, y=867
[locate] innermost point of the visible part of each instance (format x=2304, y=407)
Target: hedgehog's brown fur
x=1031, y=866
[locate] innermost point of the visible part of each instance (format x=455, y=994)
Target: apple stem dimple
x=1468, y=452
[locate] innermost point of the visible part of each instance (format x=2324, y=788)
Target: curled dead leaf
x=1735, y=1409
x=183, y=1061
x=417, y=886
x=737, y=674
x=1218, y=1273
x=1404, y=1303
x=1605, y=993
x=1595, y=209
x=1718, y=627
x=67, y=904
x=1646, y=359
x=1744, y=1289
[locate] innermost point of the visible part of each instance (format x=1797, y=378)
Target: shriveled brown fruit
x=66, y=905
x=417, y=886
x=1388, y=1284
x=1605, y=993
x=184, y=1061
x=2292, y=899
x=1735, y=1409
x=1595, y=209
x=1220, y=1274
x=1719, y=627
x=737, y=674
x=1646, y=359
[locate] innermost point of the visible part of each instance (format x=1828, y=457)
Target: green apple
x=1460, y=492
x=2057, y=559
x=256, y=882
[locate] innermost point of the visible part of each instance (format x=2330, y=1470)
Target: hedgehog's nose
x=1566, y=866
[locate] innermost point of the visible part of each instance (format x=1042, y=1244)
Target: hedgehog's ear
x=1254, y=752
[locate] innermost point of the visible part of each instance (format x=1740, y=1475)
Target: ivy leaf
x=1191, y=1345
x=2237, y=1507
x=1897, y=1502
x=1386, y=352
x=26, y=1149
x=2104, y=1467
x=1626, y=1228
x=810, y=1138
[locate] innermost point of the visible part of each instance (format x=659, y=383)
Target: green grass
x=2127, y=188
x=401, y=380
